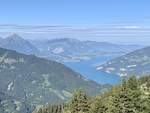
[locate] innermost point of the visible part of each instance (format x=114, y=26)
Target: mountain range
x=65, y=49
x=28, y=80
x=73, y=50
x=134, y=63
x=81, y=56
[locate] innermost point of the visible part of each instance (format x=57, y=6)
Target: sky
x=119, y=21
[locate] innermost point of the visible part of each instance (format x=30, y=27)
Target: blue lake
x=88, y=69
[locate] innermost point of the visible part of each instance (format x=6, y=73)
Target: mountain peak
x=16, y=42
x=14, y=36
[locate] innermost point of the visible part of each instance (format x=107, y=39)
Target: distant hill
x=31, y=81
x=15, y=42
x=134, y=63
x=73, y=50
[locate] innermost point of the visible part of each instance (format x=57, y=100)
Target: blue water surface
x=88, y=69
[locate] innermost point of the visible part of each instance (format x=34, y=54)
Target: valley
x=32, y=77
x=37, y=74
x=81, y=56
x=88, y=69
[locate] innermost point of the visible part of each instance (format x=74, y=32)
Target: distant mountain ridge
x=65, y=49
x=31, y=81
x=70, y=50
x=87, y=45
x=15, y=42
x=134, y=63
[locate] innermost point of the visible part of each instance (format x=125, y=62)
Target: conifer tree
x=79, y=102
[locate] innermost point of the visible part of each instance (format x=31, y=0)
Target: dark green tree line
x=132, y=96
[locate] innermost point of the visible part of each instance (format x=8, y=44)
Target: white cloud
x=129, y=27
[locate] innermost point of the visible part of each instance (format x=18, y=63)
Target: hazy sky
x=102, y=20
x=74, y=12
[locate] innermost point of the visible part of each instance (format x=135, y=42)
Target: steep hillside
x=35, y=81
x=134, y=63
x=131, y=96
